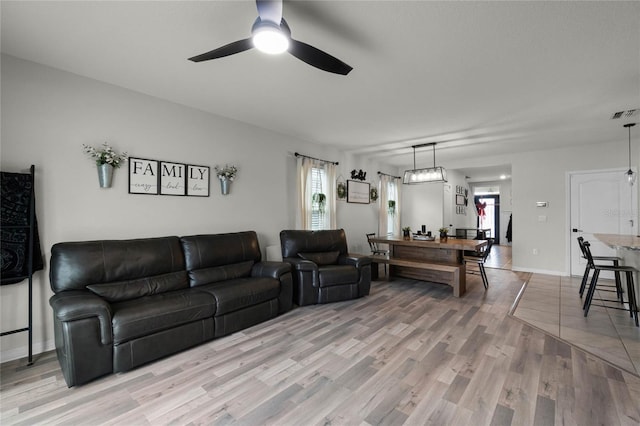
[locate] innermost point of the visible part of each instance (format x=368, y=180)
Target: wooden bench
x=452, y=274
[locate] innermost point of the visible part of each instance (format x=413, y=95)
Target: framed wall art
x=358, y=192
x=143, y=176
x=173, y=177
x=198, y=180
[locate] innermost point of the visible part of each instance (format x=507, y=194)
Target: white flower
x=227, y=172
x=106, y=155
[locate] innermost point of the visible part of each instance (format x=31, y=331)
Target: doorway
x=488, y=208
x=601, y=202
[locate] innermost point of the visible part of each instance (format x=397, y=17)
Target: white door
x=601, y=203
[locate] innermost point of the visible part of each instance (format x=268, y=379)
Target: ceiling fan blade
x=229, y=49
x=317, y=58
x=270, y=10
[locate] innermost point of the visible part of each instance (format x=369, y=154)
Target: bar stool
x=628, y=270
x=587, y=269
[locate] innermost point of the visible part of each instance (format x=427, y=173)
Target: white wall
x=422, y=204
x=458, y=220
x=48, y=114
x=542, y=176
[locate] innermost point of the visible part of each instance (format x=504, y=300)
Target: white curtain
x=330, y=175
x=396, y=220
x=305, y=192
x=303, y=187
x=388, y=190
x=383, y=206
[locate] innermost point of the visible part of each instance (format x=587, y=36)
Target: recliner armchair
x=322, y=268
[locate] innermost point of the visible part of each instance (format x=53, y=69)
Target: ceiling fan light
x=269, y=38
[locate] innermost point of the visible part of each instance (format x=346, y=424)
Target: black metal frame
x=31, y=226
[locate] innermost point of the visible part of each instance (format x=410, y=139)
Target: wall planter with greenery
x=106, y=161
x=226, y=175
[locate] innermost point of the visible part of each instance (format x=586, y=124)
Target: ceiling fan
x=271, y=34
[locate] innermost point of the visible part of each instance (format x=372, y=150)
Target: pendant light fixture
x=428, y=175
x=631, y=177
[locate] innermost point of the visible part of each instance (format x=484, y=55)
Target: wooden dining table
x=433, y=261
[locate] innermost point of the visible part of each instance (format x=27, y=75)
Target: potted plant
x=406, y=232
x=444, y=234
x=226, y=175
x=106, y=160
x=392, y=207
x=320, y=200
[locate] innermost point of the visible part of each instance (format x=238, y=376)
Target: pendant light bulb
x=631, y=177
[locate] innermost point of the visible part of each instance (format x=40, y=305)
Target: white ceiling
x=479, y=78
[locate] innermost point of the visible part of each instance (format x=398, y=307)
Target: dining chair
x=377, y=251
x=479, y=258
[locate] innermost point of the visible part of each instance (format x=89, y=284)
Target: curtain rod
x=386, y=174
x=297, y=154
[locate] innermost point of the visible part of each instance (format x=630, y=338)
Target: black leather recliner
x=323, y=271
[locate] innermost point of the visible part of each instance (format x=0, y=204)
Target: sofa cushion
x=151, y=314
x=127, y=290
x=297, y=241
x=240, y=293
x=74, y=265
x=337, y=275
x=220, y=273
x=321, y=258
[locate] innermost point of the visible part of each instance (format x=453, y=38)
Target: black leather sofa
x=323, y=270
x=121, y=303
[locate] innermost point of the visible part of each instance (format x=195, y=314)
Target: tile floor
x=553, y=304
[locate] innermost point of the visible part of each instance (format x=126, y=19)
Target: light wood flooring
x=410, y=353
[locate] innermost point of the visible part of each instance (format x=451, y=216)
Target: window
x=316, y=192
x=318, y=199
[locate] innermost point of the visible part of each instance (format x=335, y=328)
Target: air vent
x=625, y=114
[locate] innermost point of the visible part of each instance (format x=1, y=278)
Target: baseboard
x=23, y=351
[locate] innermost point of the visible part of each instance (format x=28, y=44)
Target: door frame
x=496, y=215
x=569, y=238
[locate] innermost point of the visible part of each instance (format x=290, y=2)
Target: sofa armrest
x=356, y=260
x=270, y=269
x=299, y=264
x=281, y=271
x=77, y=305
